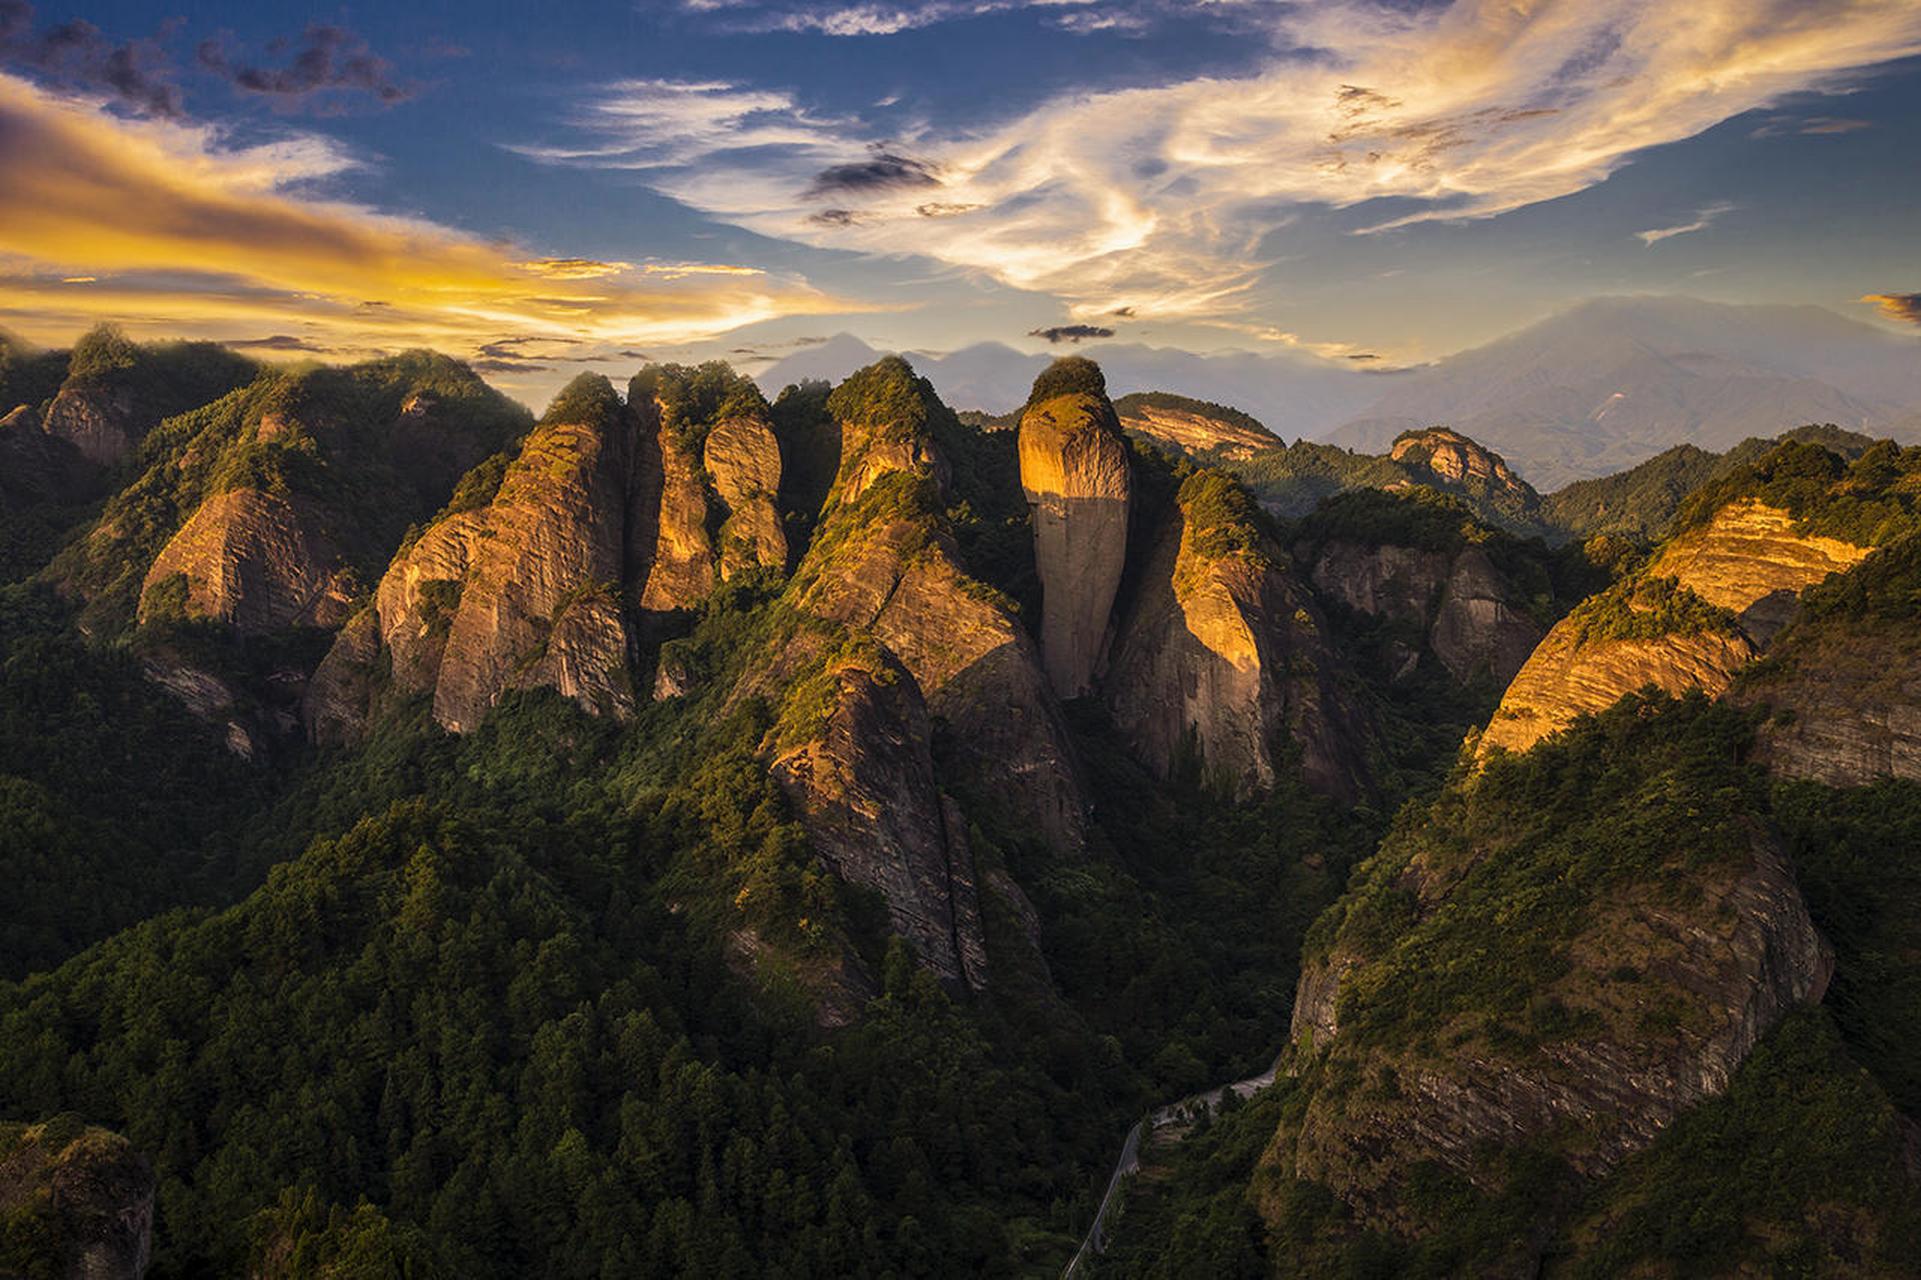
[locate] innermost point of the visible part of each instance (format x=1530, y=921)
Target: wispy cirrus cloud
x=1703, y=219
x=879, y=18
x=1162, y=198
x=179, y=232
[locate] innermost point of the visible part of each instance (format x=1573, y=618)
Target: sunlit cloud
x=1165, y=198
x=1703, y=219
x=1905, y=307
x=178, y=232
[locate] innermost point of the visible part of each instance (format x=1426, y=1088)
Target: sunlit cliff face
x=165, y=226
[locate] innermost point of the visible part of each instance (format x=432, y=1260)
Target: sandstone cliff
x=1474, y=618
x=707, y=496
x=884, y=563
x=1750, y=560
x=78, y=1198
x=1504, y=979
x=256, y=560
x=1074, y=470
x=524, y=591
x=1224, y=656
x=743, y=457
x=1194, y=427
x=852, y=751
x=1842, y=686
x=1571, y=675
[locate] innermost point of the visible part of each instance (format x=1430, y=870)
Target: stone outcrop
x=1569, y=676
x=670, y=542
x=1192, y=430
x=1724, y=966
x=1222, y=653
x=863, y=781
x=92, y=1191
x=525, y=592
x=1474, y=619
x=1074, y=470
x=743, y=457
x=1748, y=559
x=102, y=422
x=255, y=559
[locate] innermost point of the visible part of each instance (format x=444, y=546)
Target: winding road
x=1159, y=1118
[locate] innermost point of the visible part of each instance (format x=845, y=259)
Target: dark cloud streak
x=77, y=55
x=329, y=59
x=1075, y=333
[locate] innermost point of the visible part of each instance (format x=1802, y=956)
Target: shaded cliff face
x=1074, y=470
x=1224, y=656
x=1475, y=619
x=1842, y=684
x=852, y=752
x=1565, y=982
x=78, y=1201
x=116, y=391
x=524, y=590
x=274, y=501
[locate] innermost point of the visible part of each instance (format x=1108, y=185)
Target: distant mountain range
x=1599, y=387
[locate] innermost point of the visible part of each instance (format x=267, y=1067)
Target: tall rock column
x=1075, y=474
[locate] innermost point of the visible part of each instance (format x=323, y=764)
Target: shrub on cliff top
x=588, y=398
x=1067, y=376
x=887, y=393
x=694, y=399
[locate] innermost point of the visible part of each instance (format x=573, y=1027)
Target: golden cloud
x=176, y=233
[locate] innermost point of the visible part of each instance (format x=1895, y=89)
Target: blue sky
x=564, y=186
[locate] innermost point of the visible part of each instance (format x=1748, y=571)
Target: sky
x=548, y=188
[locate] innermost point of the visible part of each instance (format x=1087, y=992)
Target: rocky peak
x=1452, y=456
x=1223, y=653
x=1074, y=469
x=885, y=563
x=522, y=589
x=86, y=1190
x=1716, y=594
x=852, y=751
